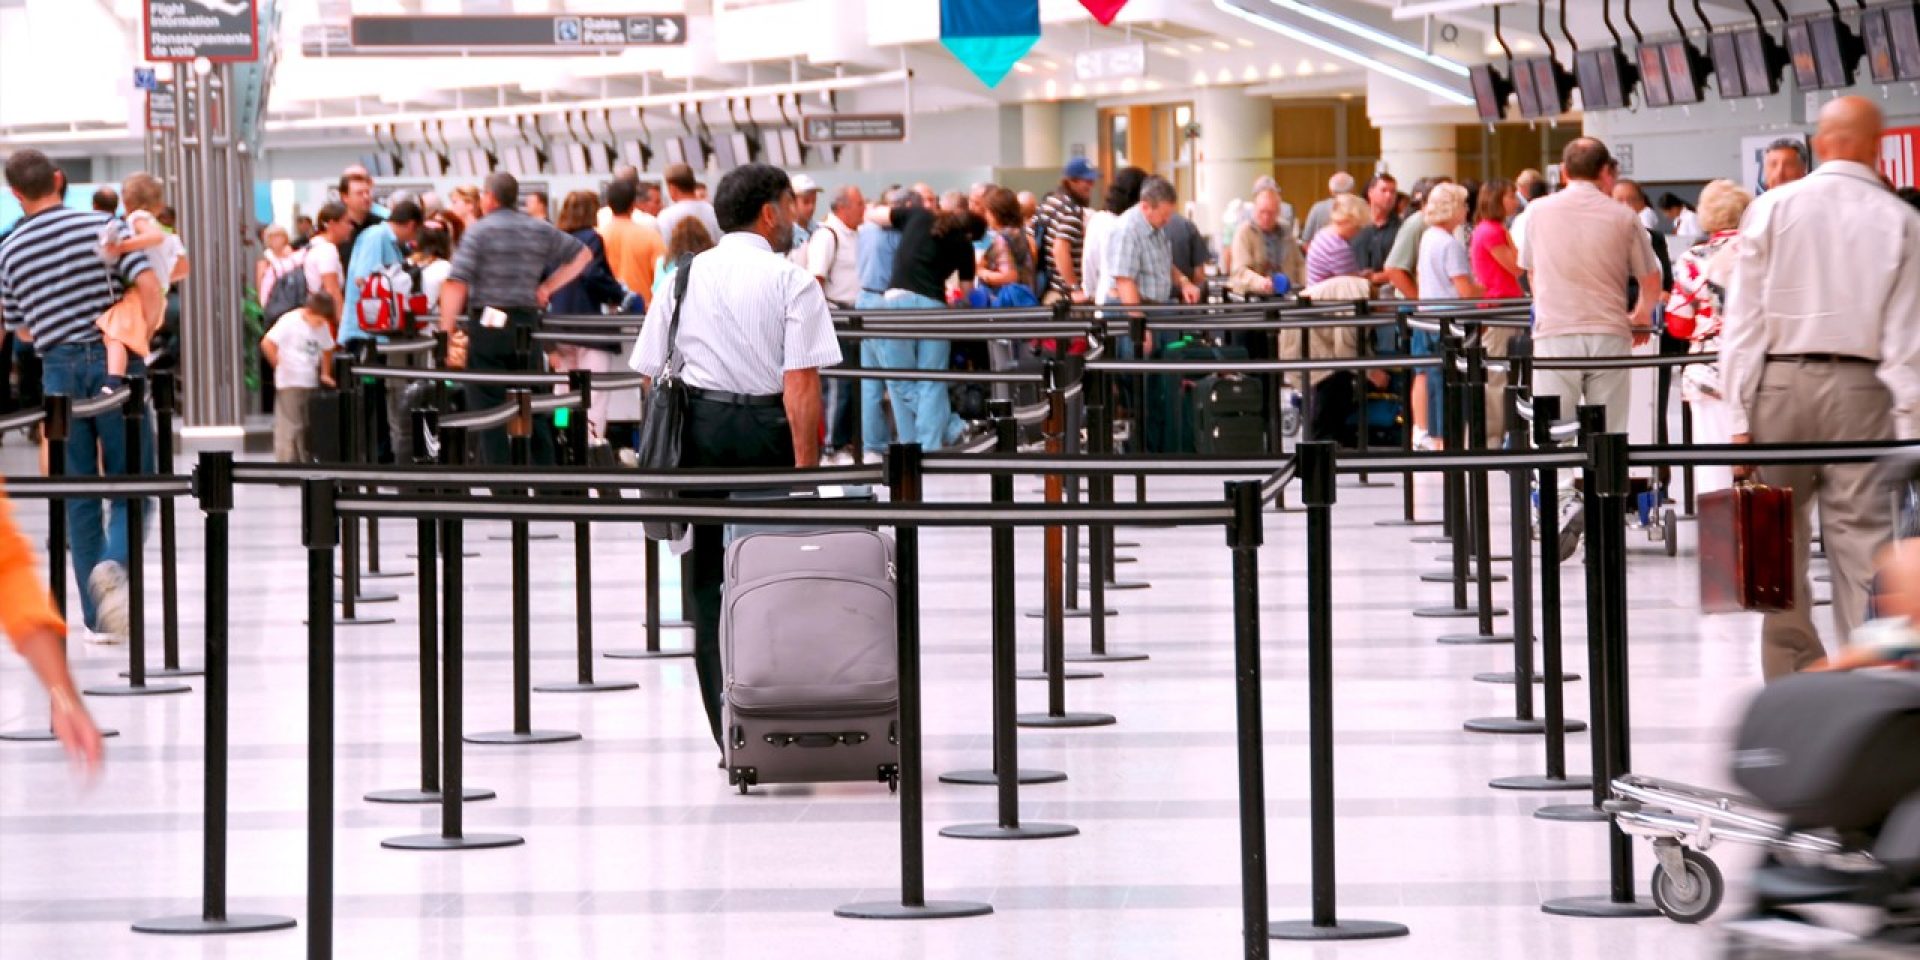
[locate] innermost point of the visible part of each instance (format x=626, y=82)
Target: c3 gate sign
x=181, y=31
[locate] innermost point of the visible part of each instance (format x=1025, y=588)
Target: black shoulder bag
x=663, y=422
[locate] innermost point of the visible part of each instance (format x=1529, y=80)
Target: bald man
x=1820, y=343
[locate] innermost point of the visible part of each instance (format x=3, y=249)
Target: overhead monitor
x=1523, y=88
x=1601, y=84
x=1489, y=92
x=791, y=148
x=1684, y=82
x=723, y=154
x=1653, y=75
x=1547, y=86
x=1725, y=50
x=677, y=151
x=1806, y=69
x=1903, y=31
x=1879, y=43
x=1835, y=51
x=1760, y=62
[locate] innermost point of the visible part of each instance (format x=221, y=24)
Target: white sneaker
x=99, y=639
x=1573, y=523
x=629, y=458
x=108, y=586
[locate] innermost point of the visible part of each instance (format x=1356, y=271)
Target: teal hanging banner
x=989, y=36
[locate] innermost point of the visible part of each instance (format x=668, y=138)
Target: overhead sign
x=1899, y=153
x=163, y=111
x=144, y=78
x=1127, y=61
x=223, y=31
x=542, y=34
x=989, y=36
x=855, y=128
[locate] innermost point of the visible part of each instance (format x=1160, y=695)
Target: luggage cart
x=1684, y=822
x=1654, y=513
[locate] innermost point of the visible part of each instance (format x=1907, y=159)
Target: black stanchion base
x=1454, y=613
x=382, y=574
x=1439, y=539
x=472, y=841
x=1107, y=657
x=1338, y=930
x=468, y=554
x=988, y=778
x=169, y=672
x=1128, y=585
x=1573, y=812
x=1025, y=831
x=505, y=537
x=1516, y=725
x=195, y=925
x=1541, y=784
x=1496, y=558
x=931, y=910
x=370, y=598
x=1067, y=675
x=575, y=686
x=1125, y=545
x=509, y=737
x=1065, y=720
x=149, y=690
x=1087, y=558
x=1368, y=484
x=358, y=620
x=45, y=736
x=1404, y=522
x=1076, y=613
x=416, y=795
x=1599, y=907
x=1447, y=577
x=645, y=654
x=1470, y=639
x=1507, y=677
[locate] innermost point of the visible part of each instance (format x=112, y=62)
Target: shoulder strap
x=682, y=271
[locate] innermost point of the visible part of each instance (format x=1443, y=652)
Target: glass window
x=1117, y=140
x=1182, y=118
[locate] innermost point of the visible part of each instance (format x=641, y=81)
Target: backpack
x=1042, y=256
x=388, y=302
x=289, y=292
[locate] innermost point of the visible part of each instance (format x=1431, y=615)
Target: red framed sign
x=182, y=31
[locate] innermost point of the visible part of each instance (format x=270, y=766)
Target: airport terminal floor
x=636, y=845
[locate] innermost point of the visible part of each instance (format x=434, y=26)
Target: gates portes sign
x=538, y=34
x=181, y=31
x=854, y=128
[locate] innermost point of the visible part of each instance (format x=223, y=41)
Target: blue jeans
x=931, y=422
x=875, y=434
x=96, y=447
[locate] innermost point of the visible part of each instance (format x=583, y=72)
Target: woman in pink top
x=1496, y=265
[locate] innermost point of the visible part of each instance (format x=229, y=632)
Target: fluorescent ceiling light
x=1368, y=34
x=1353, y=56
x=1411, y=10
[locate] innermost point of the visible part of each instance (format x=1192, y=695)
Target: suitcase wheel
x=743, y=777
x=890, y=775
x=1670, y=532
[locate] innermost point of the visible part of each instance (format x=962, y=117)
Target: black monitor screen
x=1524, y=87
x=1653, y=75
x=723, y=154
x=1599, y=76
x=1759, y=79
x=1546, y=86
x=1873, y=30
x=1681, y=85
x=1806, y=69
x=1903, y=31
x=676, y=150
x=1836, y=70
x=1486, y=93
x=1726, y=65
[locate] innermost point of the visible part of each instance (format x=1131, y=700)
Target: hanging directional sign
x=855, y=128
x=1104, y=10
x=1111, y=63
x=989, y=36
x=163, y=112
x=181, y=31
x=539, y=34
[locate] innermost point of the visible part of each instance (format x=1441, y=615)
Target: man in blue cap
x=1059, y=232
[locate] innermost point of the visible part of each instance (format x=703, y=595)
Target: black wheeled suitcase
x=1169, y=406
x=1229, y=416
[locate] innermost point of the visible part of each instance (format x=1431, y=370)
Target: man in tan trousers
x=1821, y=343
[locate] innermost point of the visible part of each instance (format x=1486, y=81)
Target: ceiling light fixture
x=1353, y=56
x=1369, y=34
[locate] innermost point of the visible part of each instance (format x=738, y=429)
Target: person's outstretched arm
x=28, y=616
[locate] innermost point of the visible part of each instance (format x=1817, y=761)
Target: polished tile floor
x=636, y=847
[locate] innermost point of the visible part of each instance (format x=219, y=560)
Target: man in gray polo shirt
x=507, y=267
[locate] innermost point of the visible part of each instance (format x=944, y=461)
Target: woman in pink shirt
x=1496, y=265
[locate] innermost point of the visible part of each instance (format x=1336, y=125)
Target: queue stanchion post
x=1362, y=424
x=368, y=351
x=319, y=534
x=213, y=486
x=1452, y=510
x=1688, y=498
x=453, y=443
x=1245, y=534
x=453, y=787
x=1468, y=406
x=859, y=388
x=1053, y=643
x=346, y=447
x=55, y=428
x=1137, y=430
x=1074, y=370
x=165, y=396
x=523, y=355
x=1315, y=468
x=651, y=599
x=1458, y=524
x=1100, y=545
x=1005, y=747
x=1552, y=686
x=520, y=447
x=1403, y=344
x=1593, y=423
x=580, y=383
x=904, y=480
x=1607, y=549
x=131, y=415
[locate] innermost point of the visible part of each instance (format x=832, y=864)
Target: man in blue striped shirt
x=54, y=286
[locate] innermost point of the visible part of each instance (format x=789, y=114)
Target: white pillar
x=1410, y=152
x=1040, y=135
x=1235, y=148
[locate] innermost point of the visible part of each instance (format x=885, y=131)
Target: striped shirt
x=1062, y=216
x=1330, y=256
x=504, y=257
x=53, y=281
x=751, y=316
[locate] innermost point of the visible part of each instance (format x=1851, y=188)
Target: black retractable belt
x=213, y=485
x=1467, y=409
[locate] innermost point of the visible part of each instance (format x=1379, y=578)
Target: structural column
x=1040, y=136
x=1235, y=148
x=1414, y=151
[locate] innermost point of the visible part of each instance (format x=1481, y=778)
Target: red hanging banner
x=1104, y=10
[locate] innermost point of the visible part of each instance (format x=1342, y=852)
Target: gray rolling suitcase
x=809, y=651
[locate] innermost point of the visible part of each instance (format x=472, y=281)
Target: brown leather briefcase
x=1746, y=549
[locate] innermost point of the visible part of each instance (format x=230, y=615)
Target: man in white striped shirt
x=752, y=338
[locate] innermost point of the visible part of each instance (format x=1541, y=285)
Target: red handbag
x=1746, y=549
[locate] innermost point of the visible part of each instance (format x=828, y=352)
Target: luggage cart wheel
x=1670, y=532
x=1693, y=896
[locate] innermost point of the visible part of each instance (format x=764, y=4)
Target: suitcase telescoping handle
x=816, y=740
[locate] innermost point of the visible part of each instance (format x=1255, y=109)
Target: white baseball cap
x=803, y=184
